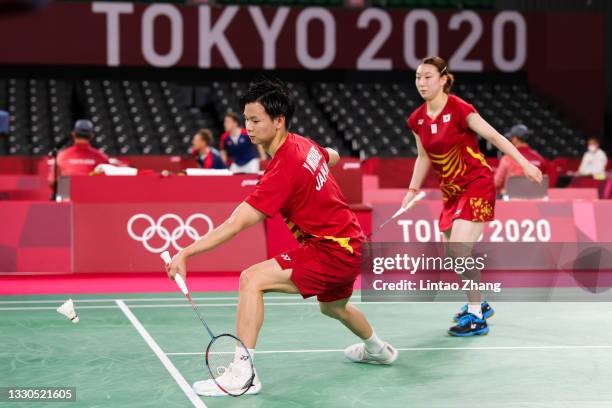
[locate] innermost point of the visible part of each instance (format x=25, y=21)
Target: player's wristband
x=414, y=190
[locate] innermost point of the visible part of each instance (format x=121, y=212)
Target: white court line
x=178, y=377
x=304, y=303
x=169, y=299
x=605, y=347
x=208, y=305
x=6, y=309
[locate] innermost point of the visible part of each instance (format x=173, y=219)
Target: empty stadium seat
x=361, y=119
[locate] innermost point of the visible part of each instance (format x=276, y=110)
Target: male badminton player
x=445, y=129
x=297, y=184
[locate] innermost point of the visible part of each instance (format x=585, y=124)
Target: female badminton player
x=297, y=184
x=445, y=129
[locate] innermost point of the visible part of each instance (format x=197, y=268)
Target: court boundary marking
x=165, y=360
x=186, y=305
x=353, y=299
x=311, y=303
x=576, y=347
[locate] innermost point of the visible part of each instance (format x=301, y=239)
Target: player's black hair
x=273, y=95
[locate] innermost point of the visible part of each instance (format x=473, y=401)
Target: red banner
x=515, y=221
x=167, y=35
x=129, y=237
x=35, y=237
x=348, y=173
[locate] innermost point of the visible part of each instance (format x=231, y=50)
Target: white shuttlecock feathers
x=67, y=309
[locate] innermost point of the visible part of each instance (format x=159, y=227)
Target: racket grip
x=165, y=256
x=177, y=278
x=416, y=198
x=419, y=196
x=181, y=284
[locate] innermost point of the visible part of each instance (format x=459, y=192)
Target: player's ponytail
x=450, y=79
x=442, y=67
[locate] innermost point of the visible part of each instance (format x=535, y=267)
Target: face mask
x=592, y=148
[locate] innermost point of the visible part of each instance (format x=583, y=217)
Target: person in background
x=593, y=161
x=81, y=158
x=237, y=148
x=508, y=167
x=208, y=157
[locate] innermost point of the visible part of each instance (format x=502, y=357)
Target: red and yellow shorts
x=476, y=202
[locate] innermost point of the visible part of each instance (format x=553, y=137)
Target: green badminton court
x=145, y=350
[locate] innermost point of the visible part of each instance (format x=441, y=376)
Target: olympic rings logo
x=157, y=229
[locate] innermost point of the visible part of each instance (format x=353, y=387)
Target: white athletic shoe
x=233, y=380
x=357, y=353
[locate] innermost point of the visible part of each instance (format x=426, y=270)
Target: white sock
x=241, y=358
x=475, y=309
x=373, y=344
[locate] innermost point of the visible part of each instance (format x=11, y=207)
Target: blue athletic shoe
x=469, y=325
x=487, y=311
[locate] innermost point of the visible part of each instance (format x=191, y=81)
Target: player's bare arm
x=421, y=165
x=334, y=157
x=243, y=217
x=421, y=168
x=483, y=128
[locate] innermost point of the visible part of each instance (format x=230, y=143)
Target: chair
x=519, y=187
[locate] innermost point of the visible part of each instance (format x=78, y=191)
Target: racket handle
x=181, y=284
x=419, y=196
x=165, y=256
x=177, y=278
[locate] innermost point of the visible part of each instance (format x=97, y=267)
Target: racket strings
x=230, y=365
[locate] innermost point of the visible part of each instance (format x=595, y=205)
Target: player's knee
x=248, y=279
x=333, y=311
x=458, y=250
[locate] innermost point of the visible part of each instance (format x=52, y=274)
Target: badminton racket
x=411, y=203
x=221, y=349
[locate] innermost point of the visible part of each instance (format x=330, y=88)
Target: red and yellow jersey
x=451, y=146
x=298, y=184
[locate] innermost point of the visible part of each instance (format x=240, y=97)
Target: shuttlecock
x=67, y=309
